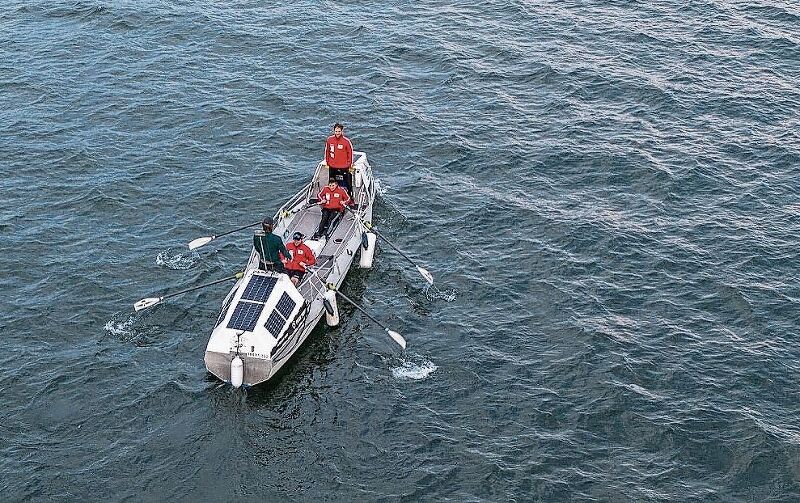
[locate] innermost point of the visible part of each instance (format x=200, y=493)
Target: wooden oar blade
x=197, y=243
x=425, y=274
x=148, y=302
x=397, y=338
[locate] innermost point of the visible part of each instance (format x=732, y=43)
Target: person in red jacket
x=333, y=200
x=302, y=257
x=339, y=158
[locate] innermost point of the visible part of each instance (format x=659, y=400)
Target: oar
x=394, y=335
x=197, y=243
x=152, y=301
x=424, y=272
x=306, y=206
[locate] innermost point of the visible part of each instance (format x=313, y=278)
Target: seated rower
x=270, y=248
x=333, y=200
x=302, y=257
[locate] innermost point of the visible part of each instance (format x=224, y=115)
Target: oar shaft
x=237, y=230
x=236, y=276
x=304, y=207
x=345, y=297
x=373, y=229
x=425, y=274
x=393, y=246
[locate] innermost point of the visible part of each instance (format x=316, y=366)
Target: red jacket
x=334, y=199
x=338, y=152
x=302, y=256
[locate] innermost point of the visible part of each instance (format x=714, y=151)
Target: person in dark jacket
x=270, y=248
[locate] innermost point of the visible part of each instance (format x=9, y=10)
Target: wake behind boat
x=265, y=318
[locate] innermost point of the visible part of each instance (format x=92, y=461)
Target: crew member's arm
x=348, y=147
x=258, y=244
x=294, y=255
x=345, y=200
x=282, y=249
x=310, y=258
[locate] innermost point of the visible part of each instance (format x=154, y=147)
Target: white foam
x=177, y=261
x=120, y=329
x=433, y=293
x=381, y=188
x=414, y=371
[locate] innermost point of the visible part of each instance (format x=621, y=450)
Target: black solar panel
x=274, y=323
x=285, y=305
x=259, y=288
x=245, y=316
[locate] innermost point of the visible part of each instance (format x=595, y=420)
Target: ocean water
x=605, y=192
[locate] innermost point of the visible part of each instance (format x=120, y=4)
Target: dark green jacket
x=268, y=247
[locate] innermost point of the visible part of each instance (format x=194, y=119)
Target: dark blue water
x=606, y=194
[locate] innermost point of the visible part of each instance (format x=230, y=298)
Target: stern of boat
x=256, y=370
x=252, y=325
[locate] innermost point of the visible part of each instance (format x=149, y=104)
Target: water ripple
x=605, y=194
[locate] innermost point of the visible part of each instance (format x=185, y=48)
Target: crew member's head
x=338, y=129
x=267, y=224
x=297, y=237
x=332, y=183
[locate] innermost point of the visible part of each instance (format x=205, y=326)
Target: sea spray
x=414, y=369
x=177, y=260
x=122, y=329
x=432, y=293
x=381, y=187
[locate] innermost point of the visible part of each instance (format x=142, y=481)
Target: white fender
x=368, y=253
x=358, y=177
x=237, y=372
x=331, y=318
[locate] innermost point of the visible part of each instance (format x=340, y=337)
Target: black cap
x=267, y=222
x=297, y=235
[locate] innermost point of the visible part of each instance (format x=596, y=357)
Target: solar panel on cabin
x=259, y=288
x=275, y=323
x=285, y=305
x=245, y=315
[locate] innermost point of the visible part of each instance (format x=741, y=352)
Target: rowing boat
x=264, y=318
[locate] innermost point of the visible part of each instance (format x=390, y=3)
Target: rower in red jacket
x=339, y=158
x=333, y=200
x=302, y=257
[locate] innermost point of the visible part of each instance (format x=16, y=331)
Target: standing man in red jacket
x=333, y=200
x=339, y=158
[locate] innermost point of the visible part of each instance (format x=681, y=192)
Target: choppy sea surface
x=605, y=192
